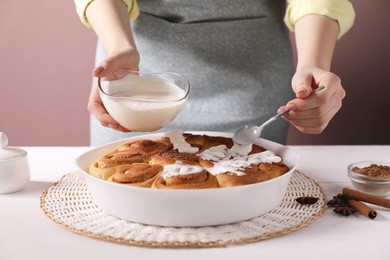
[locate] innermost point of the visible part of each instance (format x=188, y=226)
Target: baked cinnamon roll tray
x=197, y=206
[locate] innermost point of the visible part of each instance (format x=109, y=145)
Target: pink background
x=46, y=56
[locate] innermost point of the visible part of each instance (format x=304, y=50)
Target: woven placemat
x=69, y=204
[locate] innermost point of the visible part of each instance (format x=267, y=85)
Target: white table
x=26, y=233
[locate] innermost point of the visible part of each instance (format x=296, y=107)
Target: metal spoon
x=249, y=133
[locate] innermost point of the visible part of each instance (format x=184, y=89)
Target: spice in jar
x=374, y=170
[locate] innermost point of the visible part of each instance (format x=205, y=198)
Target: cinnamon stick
x=362, y=208
x=372, y=199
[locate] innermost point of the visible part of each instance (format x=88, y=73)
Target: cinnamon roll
x=274, y=170
x=211, y=141
x=204, y=142
x=257, y=149
x=136, y=174
x=185, y=176
x=172, y=156
x=249, y=176
x=194, y=140
x=148, y=146
x=105, y=167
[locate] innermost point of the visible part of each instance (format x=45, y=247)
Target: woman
x=235, y=54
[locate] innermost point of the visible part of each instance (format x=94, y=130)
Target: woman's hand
x=110, y=21
x=109, y=69
x=315, y=37
x=311, y=112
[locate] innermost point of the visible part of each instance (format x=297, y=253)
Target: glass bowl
x=371, y=177
x=144, y=101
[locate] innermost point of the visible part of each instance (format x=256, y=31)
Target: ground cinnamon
x=362, y=208
x=374, y=170
x=372, y=199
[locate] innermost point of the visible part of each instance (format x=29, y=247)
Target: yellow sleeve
x=340, y=10
x=82, y=5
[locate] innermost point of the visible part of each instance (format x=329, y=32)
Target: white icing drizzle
x=179, y=168
x=264, y=157
x=241, y=149
x=178, y=141
x=226, y=166
x=235, y=160
x=215, y=153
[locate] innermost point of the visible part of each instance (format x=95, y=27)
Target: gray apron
x=236, y=55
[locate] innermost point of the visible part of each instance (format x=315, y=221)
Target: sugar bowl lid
x=6, y=152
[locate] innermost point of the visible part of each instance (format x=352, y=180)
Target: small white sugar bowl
x=14, y=167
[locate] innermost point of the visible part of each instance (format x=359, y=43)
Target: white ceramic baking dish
x=184, y=208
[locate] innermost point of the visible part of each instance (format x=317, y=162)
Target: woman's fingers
x=97, y=109
x=312, y=113
x=115, y=66
x=312, y=121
